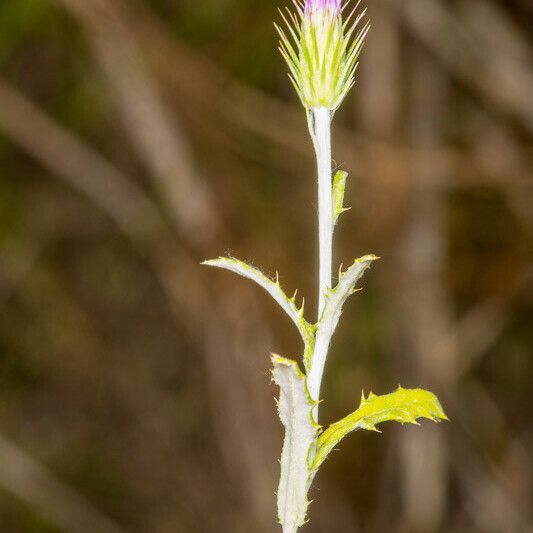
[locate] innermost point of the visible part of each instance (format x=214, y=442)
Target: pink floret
x=315, y=5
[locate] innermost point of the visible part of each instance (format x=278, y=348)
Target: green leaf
x=295, y=408
x=336, y=297
x=296, y=314
x=339, y=184
x=334, y=301
x=402, y=405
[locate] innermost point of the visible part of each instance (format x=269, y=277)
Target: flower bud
x=322, y=51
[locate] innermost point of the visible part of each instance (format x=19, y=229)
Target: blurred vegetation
x=138, y=137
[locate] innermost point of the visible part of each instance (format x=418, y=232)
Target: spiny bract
x=322, y=50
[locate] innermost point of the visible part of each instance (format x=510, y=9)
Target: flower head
x=322, y=50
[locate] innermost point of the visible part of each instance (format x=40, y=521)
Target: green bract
x=321, y=51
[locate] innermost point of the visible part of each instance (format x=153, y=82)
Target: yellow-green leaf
x=339, y=184
x=402, y=405
x=296, y=314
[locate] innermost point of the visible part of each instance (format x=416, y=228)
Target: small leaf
x=336, y=297
x=307, y=330
x=339, y=184
x=295, y=408
x=329, y=318
x=402, y=405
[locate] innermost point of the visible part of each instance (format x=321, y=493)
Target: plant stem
x=321, y=126
x=291, y=528
x=322, y=131
x=319, y=121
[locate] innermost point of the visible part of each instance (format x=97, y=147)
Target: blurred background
x=138, y=137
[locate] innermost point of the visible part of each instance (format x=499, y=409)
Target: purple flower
x=333, y=6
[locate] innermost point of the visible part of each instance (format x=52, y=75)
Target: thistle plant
x=321, y=42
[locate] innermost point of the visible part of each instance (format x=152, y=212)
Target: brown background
x=138, y=137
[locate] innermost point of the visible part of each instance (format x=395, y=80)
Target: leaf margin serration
x=401, y=405
x=273, y=287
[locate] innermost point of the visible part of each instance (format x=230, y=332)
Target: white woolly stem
x=293, y=486
x=322, y=142
x=289, y=528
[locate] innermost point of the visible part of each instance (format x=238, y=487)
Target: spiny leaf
x=329, y=319
x=307, y=330
x=402, y=405
x=339, y=184
x=295, y=408
x=336, y=297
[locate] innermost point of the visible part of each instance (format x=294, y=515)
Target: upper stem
x=321, y=134
x=322, y=142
